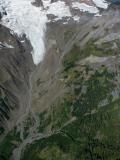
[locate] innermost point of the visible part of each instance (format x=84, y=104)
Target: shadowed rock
x=38, y=3
x=15, y=67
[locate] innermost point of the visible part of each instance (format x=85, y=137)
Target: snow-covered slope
x=101, y=4
x=23, y=17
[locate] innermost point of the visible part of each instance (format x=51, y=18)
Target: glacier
x=24, y=18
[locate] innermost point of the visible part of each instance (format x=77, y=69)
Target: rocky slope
x=15, y=67
x=68, y=106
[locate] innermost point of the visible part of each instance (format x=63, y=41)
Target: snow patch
x=59, y=9
x=85, y=8
x=76, y=18
x=101, y=4
x=5, y=45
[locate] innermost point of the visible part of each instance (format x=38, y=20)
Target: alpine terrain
x=59, y=79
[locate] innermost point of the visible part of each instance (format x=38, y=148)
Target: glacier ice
x=24, y=18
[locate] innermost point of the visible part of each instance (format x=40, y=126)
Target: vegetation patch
x=95, y=132
x=10, y=142
x=71, y=58
x=77, y=53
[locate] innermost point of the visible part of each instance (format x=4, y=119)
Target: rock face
x=114, y=1
x=69, y=107
x=15, y=68
x=38, y=3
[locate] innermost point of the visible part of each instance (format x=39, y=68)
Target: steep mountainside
x=15, y=67
x=67, y=106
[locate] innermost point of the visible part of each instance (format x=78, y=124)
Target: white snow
x=59, y=9
x=76, y=18
x=85, y=8
x=101, y=4
x=24, y=18
x=46, y=3
x=8, y=45
x=5, y=45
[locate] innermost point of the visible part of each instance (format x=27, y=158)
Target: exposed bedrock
x=16, y=66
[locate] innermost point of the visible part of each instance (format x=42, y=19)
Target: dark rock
x=16, y=66
x=38, y=3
